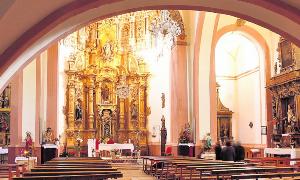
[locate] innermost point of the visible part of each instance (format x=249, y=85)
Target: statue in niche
x=106, y=122
x=105, y=92
x=163, y=99
x=291, y=120
x=107, y=52
x=6, y=102
x=134, y=111
x=3, y=123
x=78, y=111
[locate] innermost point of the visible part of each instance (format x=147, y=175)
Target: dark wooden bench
x=268, y=175
x=257, y=170
x=72, y=177
x=71, y=169
x=70, y=173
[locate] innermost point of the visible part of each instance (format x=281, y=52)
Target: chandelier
x=164, y=29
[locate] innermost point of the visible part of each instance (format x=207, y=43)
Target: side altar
x=285, y=90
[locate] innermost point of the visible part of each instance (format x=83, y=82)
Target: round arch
x=256, y=36
x=79, y=13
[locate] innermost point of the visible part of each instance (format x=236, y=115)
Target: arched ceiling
x=26, y=27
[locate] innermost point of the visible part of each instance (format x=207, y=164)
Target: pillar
x=52, y=84
x=178, y=89
x=16, y=116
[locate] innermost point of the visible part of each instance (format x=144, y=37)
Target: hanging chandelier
x=164, y=29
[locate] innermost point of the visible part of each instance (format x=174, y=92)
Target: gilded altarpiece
x=285, y=90
x=107, y=82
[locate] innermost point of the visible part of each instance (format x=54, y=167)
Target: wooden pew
x=257, y=170
x=112, y=173
x=72, y=177
x=81, y=168
x=268, y=175
x=59, y=169
x=9, y=170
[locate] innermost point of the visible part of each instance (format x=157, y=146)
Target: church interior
x=88, y=92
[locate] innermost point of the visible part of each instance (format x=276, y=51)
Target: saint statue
x=163, y=98
x=208, y=143
x=290, y=113
x=6, y=102
x=163, y=135
x=28, y=144
x=49, y=137
x=134, y=111
x=105, y=93
x=78, y=111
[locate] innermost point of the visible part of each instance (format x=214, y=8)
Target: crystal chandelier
x=164, y=29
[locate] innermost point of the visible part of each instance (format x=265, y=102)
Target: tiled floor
x=132, y=172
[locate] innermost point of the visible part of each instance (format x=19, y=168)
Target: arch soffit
x=42, y=29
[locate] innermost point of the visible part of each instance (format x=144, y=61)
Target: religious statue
x=291, y=120
x=28, y=144
x=6, y=102
x=207, y=145
x=163, y=100
x=290, y=114
x=105, y=93
x=107, y=51
x=48, y=136
x=163, y=135
x=78, y=111
x=134, y=111
x=3, y=123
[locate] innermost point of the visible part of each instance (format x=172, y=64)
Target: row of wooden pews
x=192, y=168
x=72, y=169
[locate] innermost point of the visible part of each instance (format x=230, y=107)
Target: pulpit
x=48, y=152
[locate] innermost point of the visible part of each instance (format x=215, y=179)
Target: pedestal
x=49, y=151
x=186, y=149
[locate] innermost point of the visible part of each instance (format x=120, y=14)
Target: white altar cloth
x=293, y=152
x=106, y=147
x=109, y=147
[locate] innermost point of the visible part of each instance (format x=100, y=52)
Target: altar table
x=293, y=152
x=109, y=147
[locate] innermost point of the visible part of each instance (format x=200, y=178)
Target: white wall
x=29, y=99
x=239, y=70
x=159, y=83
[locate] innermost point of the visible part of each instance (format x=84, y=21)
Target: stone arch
x=79, y=13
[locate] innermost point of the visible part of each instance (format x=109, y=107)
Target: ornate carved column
x=91, y=102
x=143, y=100
x=71, y=100
x=70, y=107
x=122, y=114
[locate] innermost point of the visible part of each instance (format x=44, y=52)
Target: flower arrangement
x=186, y=135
